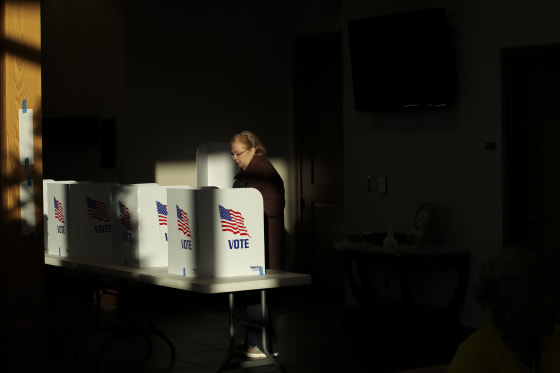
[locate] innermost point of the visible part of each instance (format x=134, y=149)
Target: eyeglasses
x=233, y=155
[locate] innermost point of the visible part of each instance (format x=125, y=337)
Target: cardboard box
x=79, y=220
x=140, y=230
x=216, y=232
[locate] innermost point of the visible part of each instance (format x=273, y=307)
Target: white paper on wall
x=26, y=137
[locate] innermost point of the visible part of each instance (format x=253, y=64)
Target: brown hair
x=250, y=140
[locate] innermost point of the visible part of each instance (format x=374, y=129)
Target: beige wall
x=441, y=157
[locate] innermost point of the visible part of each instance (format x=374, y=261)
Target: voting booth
x=79, y=220
x=46, y=215
x=46, y=210
x=55, y=227
x=140, y=216
x=216, y=232
x=214, y=165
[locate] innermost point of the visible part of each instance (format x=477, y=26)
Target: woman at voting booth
x=255, y=171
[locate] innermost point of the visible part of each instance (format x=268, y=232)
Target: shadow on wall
x=75, y=139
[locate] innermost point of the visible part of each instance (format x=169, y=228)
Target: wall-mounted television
x=402, y=61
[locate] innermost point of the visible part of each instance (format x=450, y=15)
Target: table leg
x=264, y=323
x=124, y=327
x=269, y=360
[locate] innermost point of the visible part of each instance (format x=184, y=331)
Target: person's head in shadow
x=514, y=288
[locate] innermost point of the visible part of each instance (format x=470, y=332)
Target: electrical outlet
x=382, y=184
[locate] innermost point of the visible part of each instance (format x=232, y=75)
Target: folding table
x=230, y=285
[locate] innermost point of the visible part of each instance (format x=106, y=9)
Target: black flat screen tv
x=402, y=61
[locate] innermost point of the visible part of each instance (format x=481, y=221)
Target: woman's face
x=241, y=154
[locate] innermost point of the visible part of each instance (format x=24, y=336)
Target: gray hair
x=500, y=276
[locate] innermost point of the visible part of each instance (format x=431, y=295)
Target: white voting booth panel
x=45, y=214
x=214, y=166
x=79, y=220
x=183, y=230
x=50, y=207
x=139, y=213
x=216, y=232
x=46, y=205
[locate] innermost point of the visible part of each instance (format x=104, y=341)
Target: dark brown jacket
x=261, y=175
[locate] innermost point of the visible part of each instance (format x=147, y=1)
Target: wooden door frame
x=514, y=150
x=297, y=138
x=301, y=118
x=525, y=223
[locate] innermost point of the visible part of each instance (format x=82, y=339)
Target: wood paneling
x=22, y=257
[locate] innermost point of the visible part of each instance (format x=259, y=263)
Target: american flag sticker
x=183, y=222
x=124, y=216
x=98, y=210
x=233, y=221
x=162, y=213
x=162, y=219
x=58, y=211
